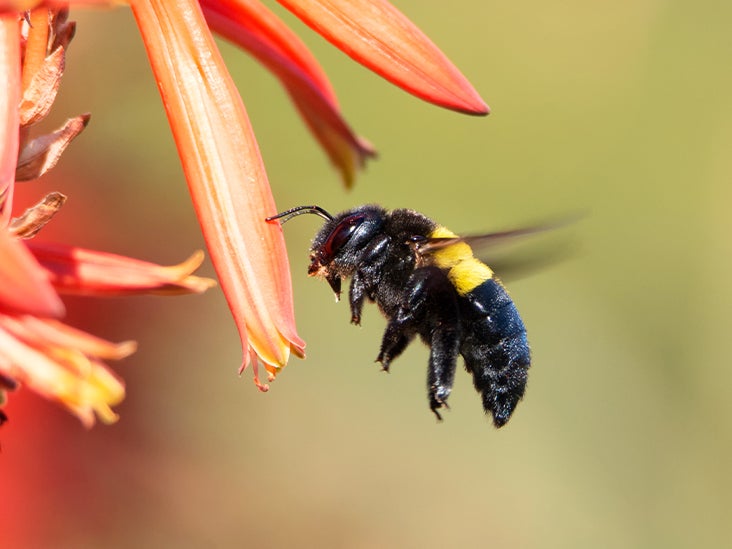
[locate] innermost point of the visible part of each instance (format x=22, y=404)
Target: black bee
x=427, y=282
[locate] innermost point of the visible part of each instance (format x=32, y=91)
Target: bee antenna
x=299, y=210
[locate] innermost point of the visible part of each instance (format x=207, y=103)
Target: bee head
x=338, y=247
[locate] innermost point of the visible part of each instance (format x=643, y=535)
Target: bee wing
x=477, y=241
x=510, y=264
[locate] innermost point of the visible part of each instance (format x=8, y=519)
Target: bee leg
x=397, y=336
x=403, y=326
x=356, y=295
x=444, y=349
x=430, y=308
x=436, y=313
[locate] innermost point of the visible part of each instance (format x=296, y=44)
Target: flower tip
x=107, y=416
x=193, y=262
x=89, y=416
x=298, y=349
x=124, y=349
x=362, y=151
x=485, y=110
x=198, y=284
x=263, y=387
x=188, y=282
x=473, y=106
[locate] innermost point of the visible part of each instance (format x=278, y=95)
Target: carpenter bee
x=427, y=282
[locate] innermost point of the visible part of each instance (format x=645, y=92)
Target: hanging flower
x=37, y=350
x=219, y=153
x=224, y=169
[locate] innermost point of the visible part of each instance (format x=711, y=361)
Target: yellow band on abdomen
x=464, y=270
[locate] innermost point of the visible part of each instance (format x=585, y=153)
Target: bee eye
x=342, y=234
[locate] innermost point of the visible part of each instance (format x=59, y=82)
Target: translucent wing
x=424, y=245
x=498, y=249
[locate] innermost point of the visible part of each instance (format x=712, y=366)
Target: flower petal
x=53, y=333
x=255, y=28
x=258, y=23
x=9, y=116
x=82, y=383
x=225, y=176
x=89, y=272
x=377, y=35
x=24, y=285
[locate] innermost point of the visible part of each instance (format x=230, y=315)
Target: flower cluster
x=218, y=151
x=37, y=350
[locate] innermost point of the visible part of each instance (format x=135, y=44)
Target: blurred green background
x=622, y=110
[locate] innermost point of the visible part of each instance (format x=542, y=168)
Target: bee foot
x=437, y=402
x=385, y=363
x=434, y=411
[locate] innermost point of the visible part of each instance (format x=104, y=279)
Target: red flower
x=36, y=349
x=56, y=360
x=220, y=156
x=219, y=153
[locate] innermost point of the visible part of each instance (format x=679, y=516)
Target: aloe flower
x=52, y=358
x=224, y=169
x=37, y=350
x=217, y=147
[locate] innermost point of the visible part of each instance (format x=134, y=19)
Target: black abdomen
x=495, y=348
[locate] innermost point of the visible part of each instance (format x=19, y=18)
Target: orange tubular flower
x=36, y=349
x=376, y=34
x=226, y=178
x=87, y=272
x=252, y=26
x=218, y=150
x=51, y=358
x=62, y=364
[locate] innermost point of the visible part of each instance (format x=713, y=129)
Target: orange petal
x=377, y=35
x=88, y=392
x=263, y=29
x=9, y=116
x=252, y=26
x=225, y=175
x=46, y=332
x=24, y=285
x=90, y=272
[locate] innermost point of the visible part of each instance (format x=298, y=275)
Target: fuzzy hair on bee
x=428, y=283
